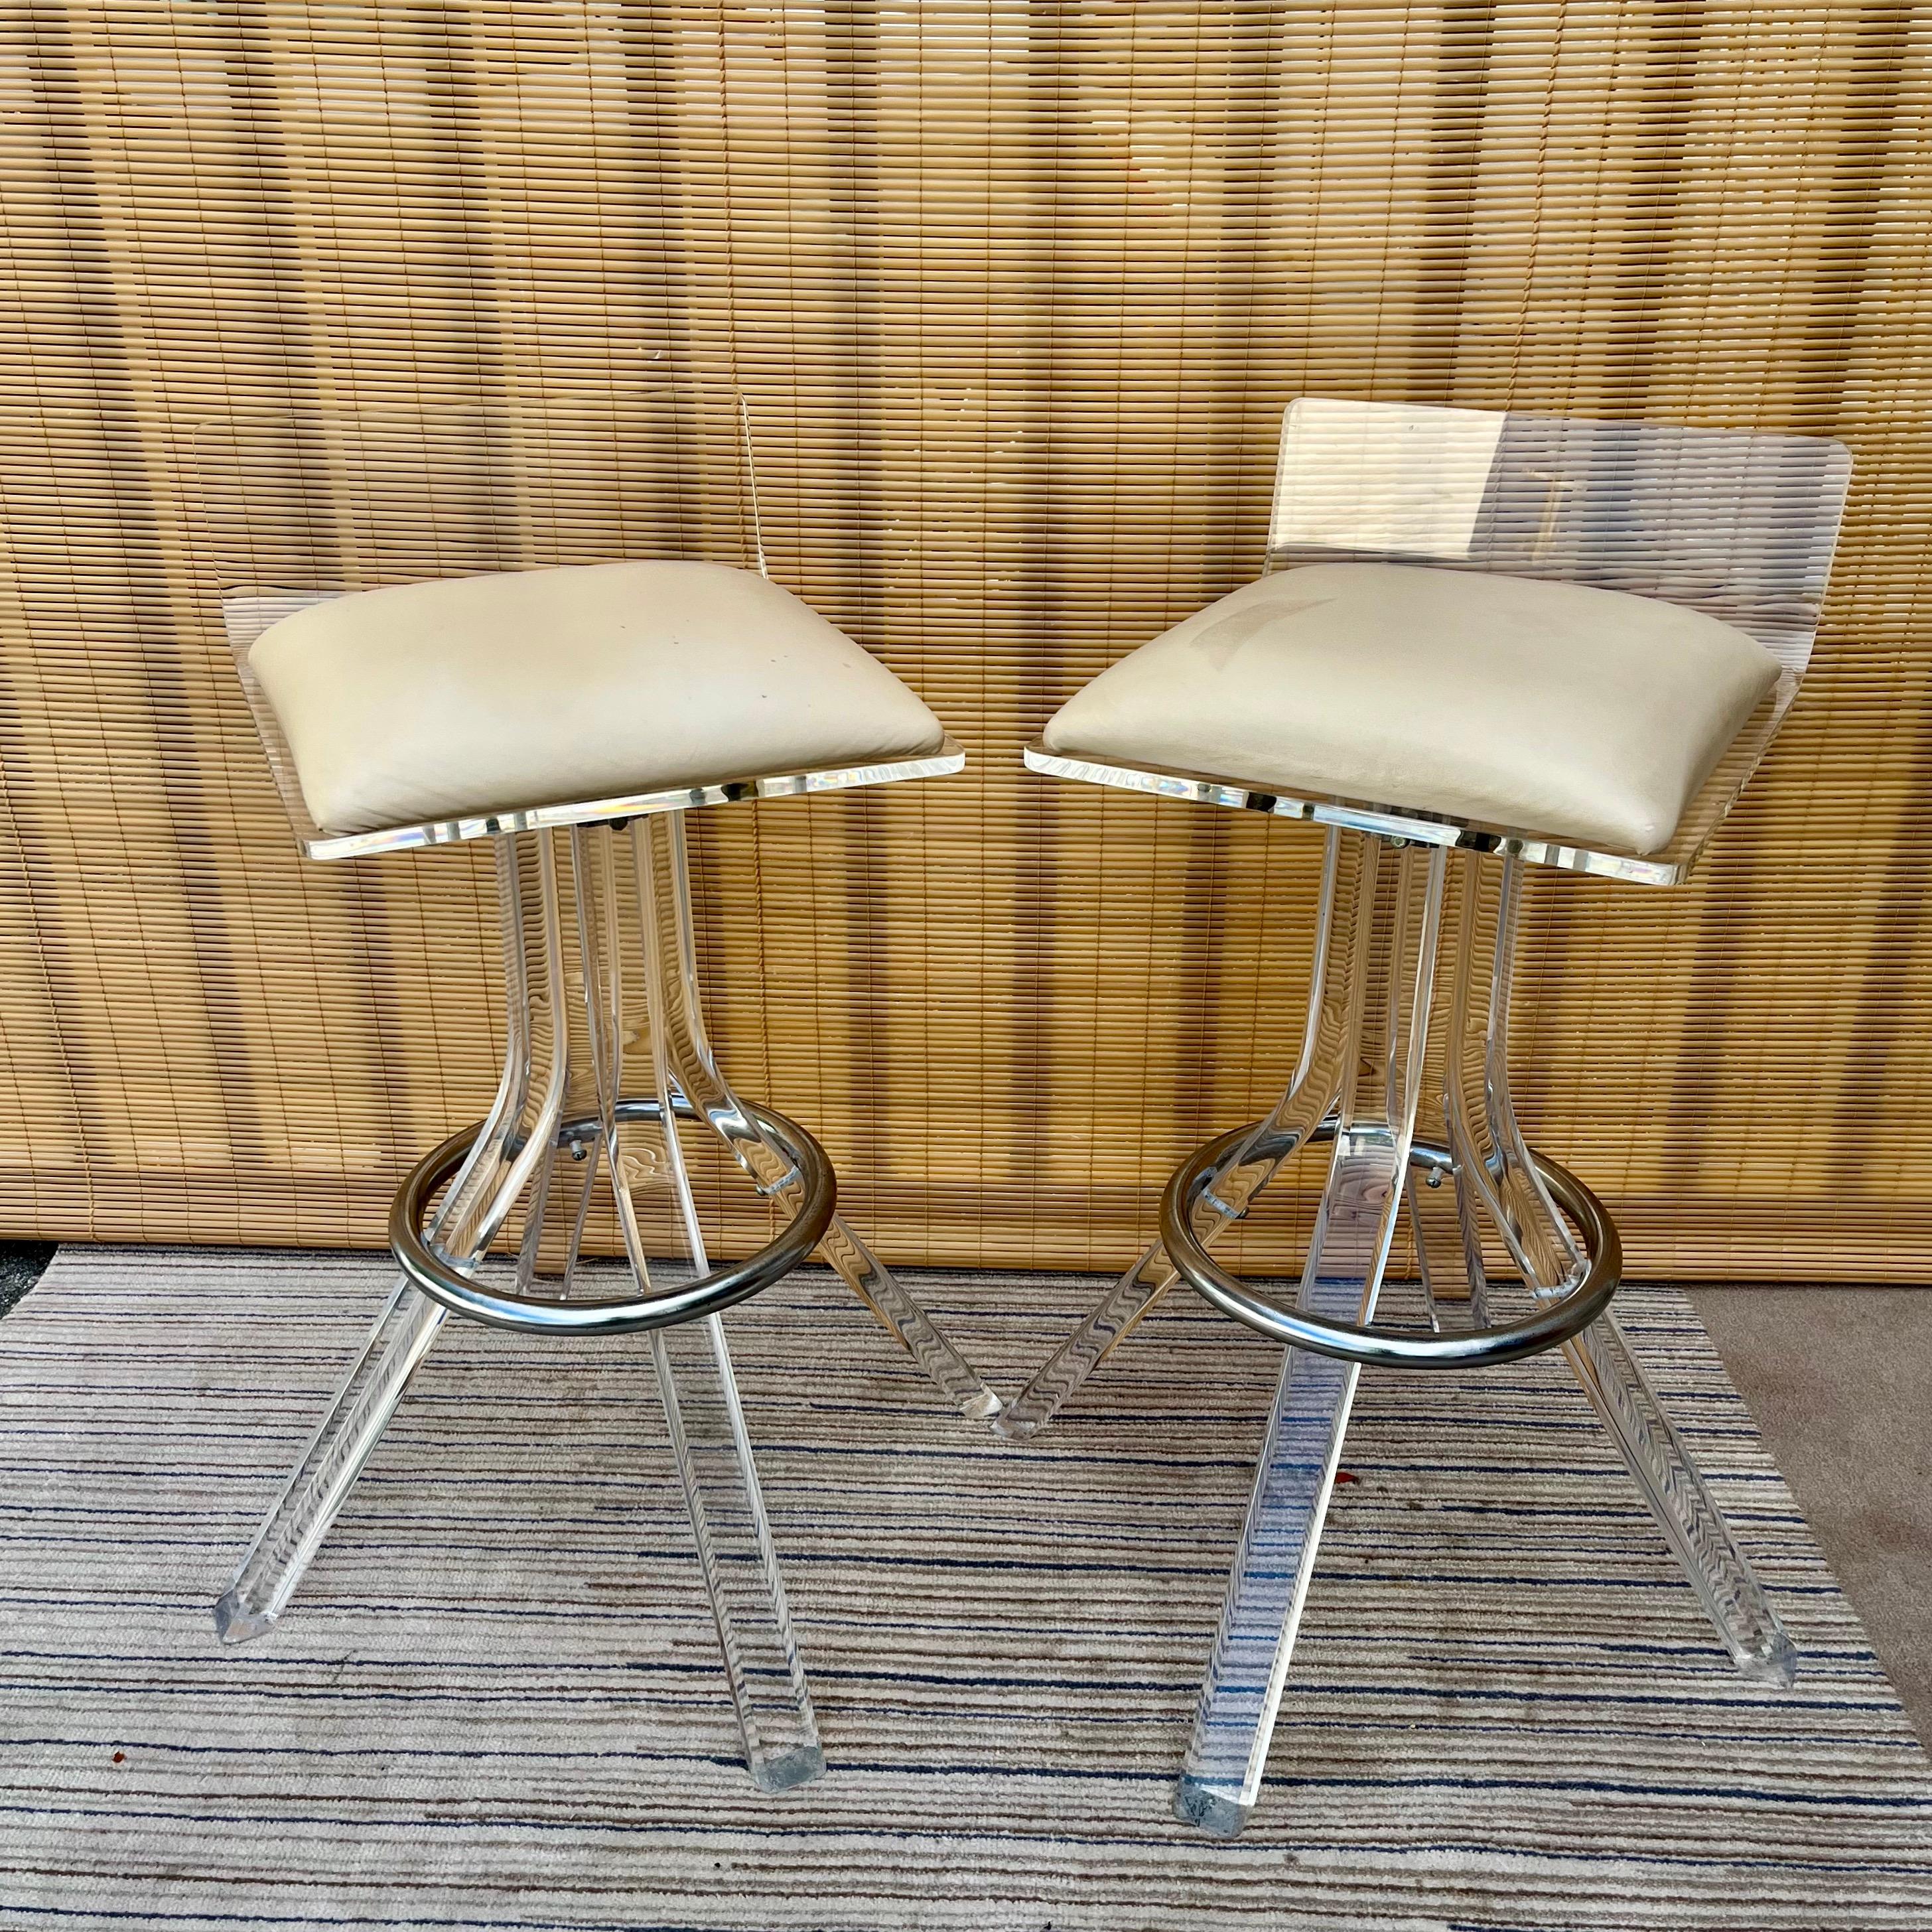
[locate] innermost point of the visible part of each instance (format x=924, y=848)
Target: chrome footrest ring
x=441, y=1280
x=1553, y=1324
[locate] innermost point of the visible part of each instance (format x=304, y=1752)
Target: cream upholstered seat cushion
x=1589, y=715
x=481, y=694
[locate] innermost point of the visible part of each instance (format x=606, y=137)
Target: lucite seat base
x=492, y=1225
x=1670, y=866
x=247, y=613
x=1511, y=1255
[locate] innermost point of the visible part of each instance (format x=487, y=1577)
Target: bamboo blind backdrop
x=1018, y=293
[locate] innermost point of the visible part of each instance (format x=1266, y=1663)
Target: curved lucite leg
x=1274, y=1566
x=1396, y=915
x=702, y=1410
x=663, y=865
x=286, y=1543
x=1692, y=1523
x=706, y=1423
x=347, y=1434
x=1490, y=1146
x=1446, y=1208
x=1305, y=1104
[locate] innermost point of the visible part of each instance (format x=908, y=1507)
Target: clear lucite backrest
x=292, y=507
x=1736, y=524
x=335, y=497
x=1739, y=526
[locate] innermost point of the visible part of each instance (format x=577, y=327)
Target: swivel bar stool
x=1485, y=641
x=572, y=714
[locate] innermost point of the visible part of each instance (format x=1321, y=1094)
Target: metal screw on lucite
x=607, y=1066
x=1513, y=1254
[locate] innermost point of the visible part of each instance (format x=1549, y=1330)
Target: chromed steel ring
x=439, y=1278
x=1554, y=1323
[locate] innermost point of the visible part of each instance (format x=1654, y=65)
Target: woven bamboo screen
x=1018, y=293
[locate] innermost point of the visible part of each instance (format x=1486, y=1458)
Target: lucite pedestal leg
x=662, y=861
x=1306, y=1103
x=1387, y=941
x=1370, y=1049
x=1492, y=1154
x=546, y=1146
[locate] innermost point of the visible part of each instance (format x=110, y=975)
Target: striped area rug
x=496, y=1702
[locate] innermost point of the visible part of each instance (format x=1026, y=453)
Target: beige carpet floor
x=496, y=1702
x=1839, y=1381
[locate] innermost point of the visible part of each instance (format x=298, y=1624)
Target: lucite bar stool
x=1485, y=641
x=572, y=716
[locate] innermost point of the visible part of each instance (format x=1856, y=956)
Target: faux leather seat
x=1548, y=707
x=482, y=694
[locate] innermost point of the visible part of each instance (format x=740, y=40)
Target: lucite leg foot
x=1133, y=1296
x=310, y=1500
x=671, y=952
x=1234, y=1722
x=908, y=1324
x=1140, y=1291
x=1300, y=1110
x=892, y=1307
x=875, y=1285
x=707, y=1424
x=1690, y=1520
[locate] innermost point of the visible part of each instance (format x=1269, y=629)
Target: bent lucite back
x=291, y=507
x=1738, y=526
